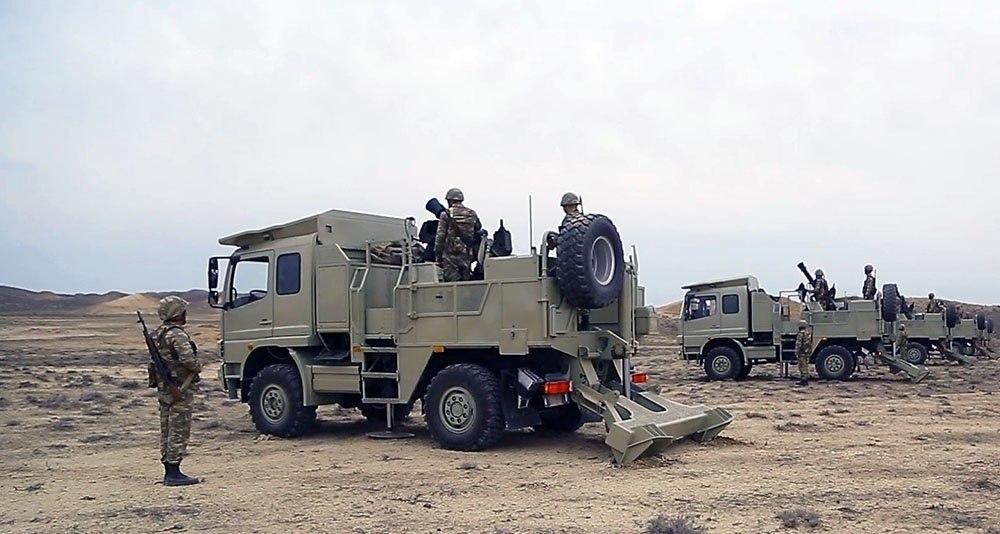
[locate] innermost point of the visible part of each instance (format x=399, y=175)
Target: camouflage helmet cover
x=454, y=194
x=171, y=307
x=819, y=273
x=569, y=199
x=930, y=295
x=802, y=325
x=869, y=268
x=902, y=327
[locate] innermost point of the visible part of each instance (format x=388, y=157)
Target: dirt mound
x=24, y=301
x=126, y=304
x=671, y=310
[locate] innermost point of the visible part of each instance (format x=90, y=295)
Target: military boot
x=173, y=476
x=803, y=382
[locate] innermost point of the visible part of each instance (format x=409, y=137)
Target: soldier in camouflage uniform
x=821, y=291
x=455, y=238
x=933, y=304
x=570, y=203
x=181, y=356
x=868, y=291
x=803, y=349
x=902, y=340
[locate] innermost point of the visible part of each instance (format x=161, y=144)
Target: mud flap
x=898, y=365
x=647, y=423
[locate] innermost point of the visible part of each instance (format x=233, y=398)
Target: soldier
x=933, y=304
x=902, y=340
x=455, y=238
x=803, y=349
x=821, y=291
x=181, y=356
x=868, y=291
x=570, y=203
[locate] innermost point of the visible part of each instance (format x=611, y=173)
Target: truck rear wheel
x=835, y=362
x=462, y=408
x=276, y=402
x=564, y=419
x=590, y=262
x=915, y=353
x=723, y=363
x=989, y=326
x=980, y=321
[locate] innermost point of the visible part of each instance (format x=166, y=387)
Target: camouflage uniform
x=821, y=292
x=902, y=340
x=181, y=356
x=803, y=349
x=934, y=305
x=452, y=243
x=868, y=292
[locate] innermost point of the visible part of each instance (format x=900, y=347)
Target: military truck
x=729, y=326
x=539, y=341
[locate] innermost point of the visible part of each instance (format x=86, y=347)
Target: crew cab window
x=289, y=274
x=730, y=304
x=699, y=307
x=249, y=281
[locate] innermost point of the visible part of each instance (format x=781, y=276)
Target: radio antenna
x=531, y=225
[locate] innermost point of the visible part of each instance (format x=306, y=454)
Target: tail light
x=640, y=378
x=557, y=387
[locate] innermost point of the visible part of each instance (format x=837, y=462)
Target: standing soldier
x=933, y=304
x=803, y=349
x=868, y=292
x=455, y=238
x=181, y=356
x=902, y=340
x=570, y=203
x=821, y=291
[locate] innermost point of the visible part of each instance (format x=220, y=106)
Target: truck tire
x=564, y=419
x=890, y=303
x=590, y=263
x=276, y=402
x=951, y=316
x=723, y=363
x=980, y=321
x=989, y=326
x=915, y=353
x=745, y=371
x=835, y=362
x=375, y=413
x=462, y=408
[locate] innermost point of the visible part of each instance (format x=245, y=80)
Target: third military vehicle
x=732, y=325
x=310, y=317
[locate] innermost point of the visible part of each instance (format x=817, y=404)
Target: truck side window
x=289, y=274
x=730, y=304
x=699, y=307
x=249, y=281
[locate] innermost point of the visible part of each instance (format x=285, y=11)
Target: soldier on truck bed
x=570, y=203
x=821, y=291
x=933, y=304
x=456, y=234
x=868, y=291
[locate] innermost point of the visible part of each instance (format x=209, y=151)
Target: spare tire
x=890, y=303
x=590, y=263
x=980, y=321
x=989, y=326
x=951, y=317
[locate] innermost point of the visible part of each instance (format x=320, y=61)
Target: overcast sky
x=722, y=138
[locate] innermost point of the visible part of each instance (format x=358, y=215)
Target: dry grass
x=799, y=517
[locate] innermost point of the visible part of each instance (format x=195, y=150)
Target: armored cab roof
x=749, y=281
x=345, y=228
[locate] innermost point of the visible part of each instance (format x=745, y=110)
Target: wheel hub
x=602, y=260
x=273, y=403
x=721, y=365
x=835, y=364
x=458, y=409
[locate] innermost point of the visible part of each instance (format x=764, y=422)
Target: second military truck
x=536, y=341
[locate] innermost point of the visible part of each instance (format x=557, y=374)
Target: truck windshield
x=249, y=281
x=699, y=306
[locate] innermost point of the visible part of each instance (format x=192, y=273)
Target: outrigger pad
x=957, y=356
x=916, y=372
x=648, y=423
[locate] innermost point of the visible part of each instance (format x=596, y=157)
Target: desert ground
x=79, y=452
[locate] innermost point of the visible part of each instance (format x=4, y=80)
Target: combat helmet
x=569, y=199
x=819, y=273
x=454, y=194
x=171, y=307
x=869, y=268
x=930, y=295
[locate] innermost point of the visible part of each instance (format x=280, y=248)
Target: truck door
x=701, y=320
x=734, y=316
x=249, y=308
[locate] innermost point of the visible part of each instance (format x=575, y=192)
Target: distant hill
x=15, y=300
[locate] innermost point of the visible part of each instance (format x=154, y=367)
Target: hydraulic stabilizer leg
x=899, y=365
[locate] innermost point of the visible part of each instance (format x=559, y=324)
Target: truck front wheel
x=462, y=408
x=835, y=362
x=276, y=402
x=723, y=363
x=915, y=353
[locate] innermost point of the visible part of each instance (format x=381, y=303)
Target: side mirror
x=213, y=276
x=213, y=298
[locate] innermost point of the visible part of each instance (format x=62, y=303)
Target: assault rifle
x=158, y=363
